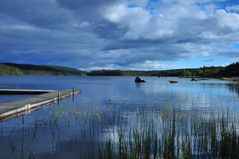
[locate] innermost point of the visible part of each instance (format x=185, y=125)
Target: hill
x=28, y=69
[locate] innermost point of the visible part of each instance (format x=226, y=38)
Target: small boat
x=173, y=81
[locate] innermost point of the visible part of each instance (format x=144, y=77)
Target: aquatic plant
x=178, y=135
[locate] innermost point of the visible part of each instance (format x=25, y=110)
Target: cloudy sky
x=120, y=34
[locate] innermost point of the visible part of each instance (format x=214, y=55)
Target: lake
x=77, y=127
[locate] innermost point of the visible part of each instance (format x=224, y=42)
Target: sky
x=120, y=34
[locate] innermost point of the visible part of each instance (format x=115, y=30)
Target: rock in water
x=173, y=82
x=193, y=79
x=138, y=80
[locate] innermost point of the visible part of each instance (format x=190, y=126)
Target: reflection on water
x=234, y=88
x=9, y=98
x=76, y=129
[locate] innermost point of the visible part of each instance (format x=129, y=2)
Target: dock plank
x=18, y=106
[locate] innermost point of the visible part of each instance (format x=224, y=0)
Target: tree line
x=231, y=70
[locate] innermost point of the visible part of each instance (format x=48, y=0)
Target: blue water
x=9, y=98
x=75, y=126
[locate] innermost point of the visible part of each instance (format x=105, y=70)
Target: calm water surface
x=76, y=127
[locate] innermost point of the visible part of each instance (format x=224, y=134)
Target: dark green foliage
x=155, y=146
x=122, y=146
x=169, y=142
x=214, y=144
x=194, y=72
x=146, y=144
x=229, y=146
x=26, y=69
x=187, y=149
x=228, y=71
x=106, y=73
x=231, y=70
x=108, y=152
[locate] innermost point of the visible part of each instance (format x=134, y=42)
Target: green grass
x=178, y=135
x=152, y=134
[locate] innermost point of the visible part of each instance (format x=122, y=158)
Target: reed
x=178, y=135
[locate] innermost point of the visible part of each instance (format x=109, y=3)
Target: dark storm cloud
x=38, y=13
x=81, y=4
x=119, y=33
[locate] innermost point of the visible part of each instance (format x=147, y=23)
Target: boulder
x=173, y=82
x=139, y=80
x=194, y=79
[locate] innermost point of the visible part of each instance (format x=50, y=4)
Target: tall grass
x=178, y=134
x=145, y=133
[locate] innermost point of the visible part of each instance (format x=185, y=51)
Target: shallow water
x=76, y=127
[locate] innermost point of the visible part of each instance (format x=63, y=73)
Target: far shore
x=230, y=78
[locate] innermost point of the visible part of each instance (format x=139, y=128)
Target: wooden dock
x=23, y=91
x=19, y=106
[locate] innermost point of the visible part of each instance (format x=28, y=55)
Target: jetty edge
x=23, y=91
x=13, y=108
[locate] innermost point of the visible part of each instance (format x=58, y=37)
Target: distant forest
x=231, y=70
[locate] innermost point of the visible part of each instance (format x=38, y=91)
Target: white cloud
x=165, y=21
x=145, y=65
x=233, y=8
x=225, y=19
x=151, y=65
x=135, y=19
x=198, y=30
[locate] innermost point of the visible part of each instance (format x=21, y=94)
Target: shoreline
x=233, y=79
